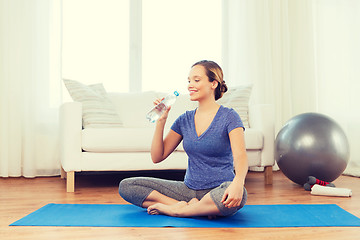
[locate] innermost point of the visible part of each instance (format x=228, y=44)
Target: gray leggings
x=136, y=190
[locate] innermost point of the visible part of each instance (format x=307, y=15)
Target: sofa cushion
x=139, y=139
x=117, y=139
x=238, y=99
x=133, y=107
x=130, y=161
x=98, y=111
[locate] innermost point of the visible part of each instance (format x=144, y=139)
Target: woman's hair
x=214, y=73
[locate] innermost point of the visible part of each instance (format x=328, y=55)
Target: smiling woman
x=213, y=139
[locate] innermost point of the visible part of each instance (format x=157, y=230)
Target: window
x=177, y=34
x=174, y=34
x=95, y=43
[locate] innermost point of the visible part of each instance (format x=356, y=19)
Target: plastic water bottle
x=159, y=109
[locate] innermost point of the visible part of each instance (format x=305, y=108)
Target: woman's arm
x=162, y=148
x=233, y=195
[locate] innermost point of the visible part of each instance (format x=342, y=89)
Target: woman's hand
x=233, y=194
x=164, y=116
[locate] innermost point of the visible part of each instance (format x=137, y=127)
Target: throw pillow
x=238, y=99
x=98, y=111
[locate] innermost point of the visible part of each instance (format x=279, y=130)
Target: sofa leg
x=268, y=173
x=62, y=173
x=70, y=181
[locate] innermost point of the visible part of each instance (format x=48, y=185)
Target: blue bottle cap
x=176, y=93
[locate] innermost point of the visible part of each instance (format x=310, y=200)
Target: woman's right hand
x=164, y=116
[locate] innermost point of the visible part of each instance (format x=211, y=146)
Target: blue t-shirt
x=210, y=160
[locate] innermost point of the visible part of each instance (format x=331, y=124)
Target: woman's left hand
x=233, y=194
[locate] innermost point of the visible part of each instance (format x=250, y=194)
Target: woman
x=213, y=138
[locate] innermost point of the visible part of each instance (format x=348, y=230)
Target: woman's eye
x=195, y=80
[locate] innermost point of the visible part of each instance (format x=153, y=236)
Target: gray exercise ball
x=311, y=144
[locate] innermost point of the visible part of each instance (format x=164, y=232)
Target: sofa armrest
x=70, y=136
x=261, y=116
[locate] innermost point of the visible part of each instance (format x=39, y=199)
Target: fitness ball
x=311, y=144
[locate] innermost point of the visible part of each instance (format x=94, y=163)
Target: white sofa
x=127, y=148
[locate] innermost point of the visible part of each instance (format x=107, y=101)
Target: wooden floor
x=20, y=196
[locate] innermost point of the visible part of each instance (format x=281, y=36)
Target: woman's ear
x=214, y=84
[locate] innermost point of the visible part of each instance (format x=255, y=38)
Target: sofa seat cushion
x=130, y=161
x=110, y=140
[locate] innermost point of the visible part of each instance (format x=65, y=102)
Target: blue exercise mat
x=251, y=216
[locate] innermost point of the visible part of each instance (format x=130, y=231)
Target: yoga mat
x=250, y=216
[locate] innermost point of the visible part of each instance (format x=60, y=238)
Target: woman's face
x=199, y=85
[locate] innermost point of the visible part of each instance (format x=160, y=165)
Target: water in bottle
x=159, y=109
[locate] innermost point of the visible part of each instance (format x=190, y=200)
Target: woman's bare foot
x=170, y=210
x=183, y=209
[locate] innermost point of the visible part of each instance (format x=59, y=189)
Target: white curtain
x=337, y=41
x=29, y=88
x=301, y=56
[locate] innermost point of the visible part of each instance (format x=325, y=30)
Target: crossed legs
x=174, y=198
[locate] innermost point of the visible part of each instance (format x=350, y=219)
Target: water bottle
x=159, y=109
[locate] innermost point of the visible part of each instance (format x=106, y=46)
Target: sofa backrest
x=133, y=107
